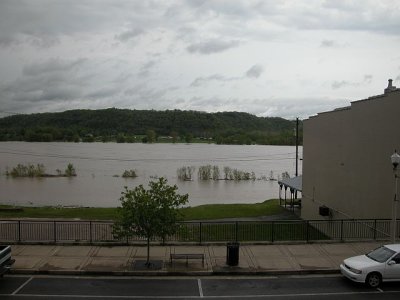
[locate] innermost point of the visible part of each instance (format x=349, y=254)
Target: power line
x=142, y=159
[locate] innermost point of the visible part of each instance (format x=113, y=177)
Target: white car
x=381, y=264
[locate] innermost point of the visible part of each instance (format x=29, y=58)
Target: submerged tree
x=227, y=172
x=215, y=172
x=129, y=174
x=185, y=173
x=204, y=172
x=70, y=170
x=26, y=171
x=149, y=213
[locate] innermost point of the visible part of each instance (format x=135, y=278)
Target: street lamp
x=395, y=159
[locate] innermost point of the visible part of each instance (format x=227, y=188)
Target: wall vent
x=324, y=211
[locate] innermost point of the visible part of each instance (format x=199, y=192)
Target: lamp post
x=395, y=158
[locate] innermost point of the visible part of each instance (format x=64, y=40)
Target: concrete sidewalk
x=274, y=259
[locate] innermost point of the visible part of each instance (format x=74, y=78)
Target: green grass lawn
x=249, y=231
x=198, y=231
x=92, y=213
x=202, y=212
x=221, y=211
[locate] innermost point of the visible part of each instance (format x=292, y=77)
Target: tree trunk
x=148, y=253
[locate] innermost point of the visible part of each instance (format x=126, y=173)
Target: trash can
x=232, y=254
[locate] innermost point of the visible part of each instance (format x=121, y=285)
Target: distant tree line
x=148, y=126
x=209, y=172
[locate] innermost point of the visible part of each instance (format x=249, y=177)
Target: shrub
x=185, y=173
x=70, y=170
x=129, y=174
x=204, y=172
x=27, y=171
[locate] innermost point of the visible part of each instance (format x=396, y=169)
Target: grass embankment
x=222, y=211
x=92, y=213
x=202, y=212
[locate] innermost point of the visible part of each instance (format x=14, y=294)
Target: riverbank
x=201, y=212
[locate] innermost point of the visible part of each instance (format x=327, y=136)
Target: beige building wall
x=346, y=159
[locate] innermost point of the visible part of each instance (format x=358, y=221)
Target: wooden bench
x=187, y=256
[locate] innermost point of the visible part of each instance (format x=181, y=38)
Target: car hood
x=361, y=261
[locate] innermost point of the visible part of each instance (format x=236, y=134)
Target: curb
x=231, y=272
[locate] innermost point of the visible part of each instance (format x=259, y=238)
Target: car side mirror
x=391, y=262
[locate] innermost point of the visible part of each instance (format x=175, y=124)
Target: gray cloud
x=212, y=46
x=129, y=34
x=146, y=68
x=92, y=54
x=361, y=15
x=52, y=81
x=42, y=41
x=144, y=96
x=40, y=89
x=202, y=80
x=51, y=66
x=288, y=108
x=368, y=78
x=66, y=18
x=103, y=93
x=340, y=84
x=255, y=71
x=199, y=81
x=7, y=41
x=47, y=17
x=328, y=44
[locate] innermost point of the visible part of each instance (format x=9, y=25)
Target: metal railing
x=91, y=232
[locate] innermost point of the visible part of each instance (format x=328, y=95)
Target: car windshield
x=381, y=254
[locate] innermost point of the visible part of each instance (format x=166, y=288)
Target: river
x=98, y=164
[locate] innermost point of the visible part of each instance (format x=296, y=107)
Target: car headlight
x=355, y=271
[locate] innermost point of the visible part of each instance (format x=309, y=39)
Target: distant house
x=347, y=171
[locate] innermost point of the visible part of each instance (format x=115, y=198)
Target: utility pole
x=297, y=147
x=297, y=152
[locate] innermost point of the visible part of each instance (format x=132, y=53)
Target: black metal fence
x=91, y=232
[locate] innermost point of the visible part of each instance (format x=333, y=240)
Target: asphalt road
x=96, y=288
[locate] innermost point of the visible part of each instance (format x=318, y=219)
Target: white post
x=394, y=213
x=395, y=159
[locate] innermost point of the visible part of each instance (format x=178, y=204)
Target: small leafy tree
x=151, y=136
x=129, y=174
x=121, y=138
x=27, y=171
x=215, y=173
x=185, y=173
x=204, y=172
x=188, y=138
x=174, y=136
x=149, y=213
x=227, y=171
x=70, y=170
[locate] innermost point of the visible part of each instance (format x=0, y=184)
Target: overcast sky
x=267, y=57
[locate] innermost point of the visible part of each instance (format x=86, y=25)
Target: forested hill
x=123, y=125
